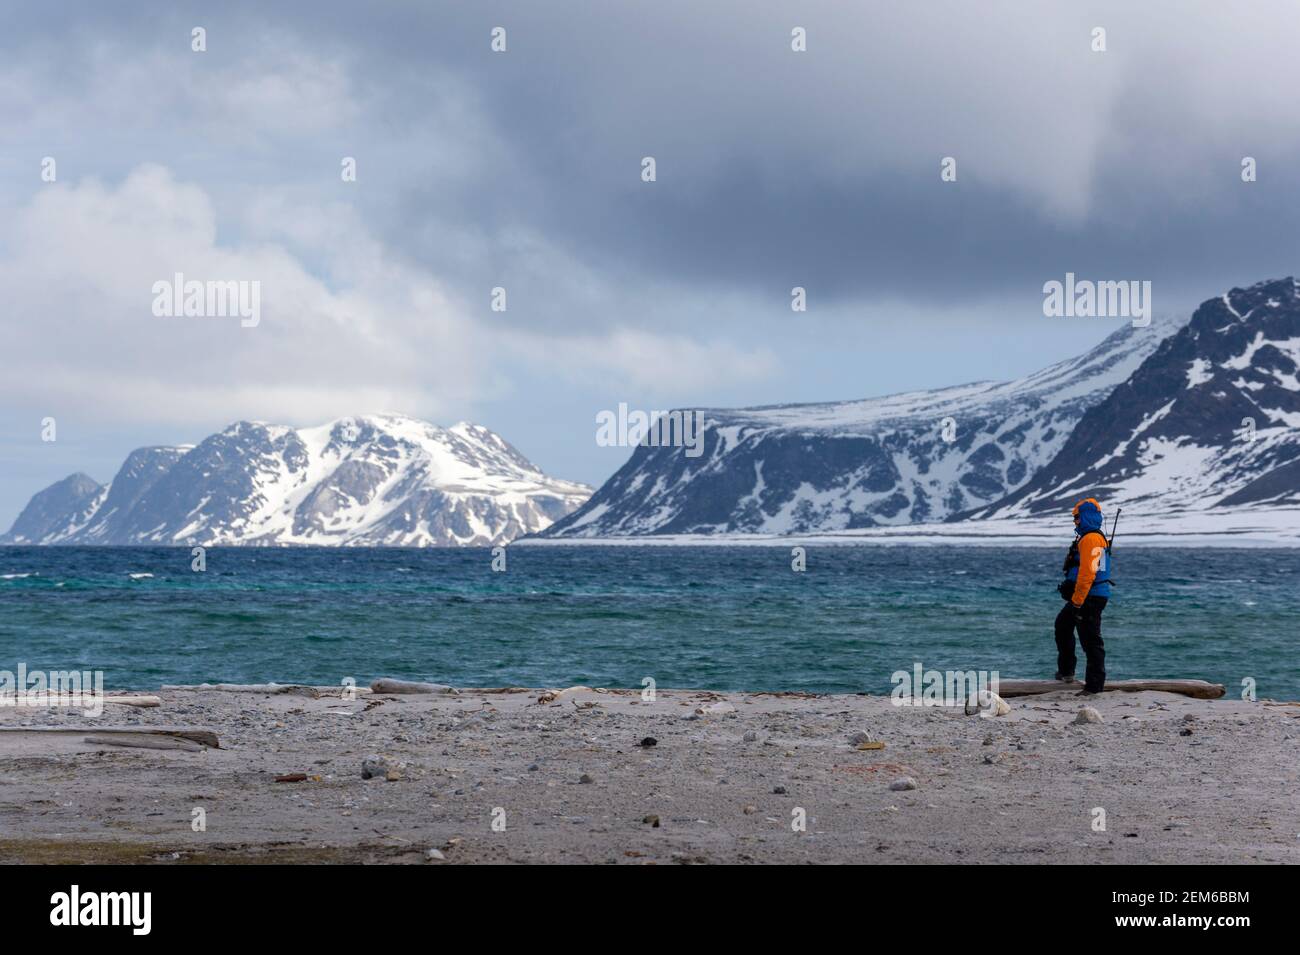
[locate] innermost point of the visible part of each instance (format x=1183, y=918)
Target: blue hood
x=1089, y=518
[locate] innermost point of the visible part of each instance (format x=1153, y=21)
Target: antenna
x=1111, y=543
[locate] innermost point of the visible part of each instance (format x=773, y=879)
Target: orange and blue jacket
x=1088, y=563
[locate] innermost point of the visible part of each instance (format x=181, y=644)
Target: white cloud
x=662, y=364
x=346, y=325
x=82, y=265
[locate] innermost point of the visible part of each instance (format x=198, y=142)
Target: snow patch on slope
x=380, y=480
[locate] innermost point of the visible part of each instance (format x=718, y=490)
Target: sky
x=522, y=169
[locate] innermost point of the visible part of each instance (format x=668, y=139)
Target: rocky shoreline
x=588, y=775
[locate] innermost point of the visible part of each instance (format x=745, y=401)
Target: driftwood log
x=1199, y=689
x=292, y=689
x=144, y=741
x=39, y=700
x=200, y=736
x=385, y=685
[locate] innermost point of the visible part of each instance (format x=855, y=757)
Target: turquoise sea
x=715, y=617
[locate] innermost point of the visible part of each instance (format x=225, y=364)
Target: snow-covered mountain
x=1208, y=422
x=380, y=480
x=918, y=457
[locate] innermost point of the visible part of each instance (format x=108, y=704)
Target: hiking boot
x=1065, y=677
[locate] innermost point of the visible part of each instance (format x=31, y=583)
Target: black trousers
x=1089, y=627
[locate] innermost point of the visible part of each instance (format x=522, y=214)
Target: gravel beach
x=604, y=776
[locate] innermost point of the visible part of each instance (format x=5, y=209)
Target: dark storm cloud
x=824, y=170
x=777, y=168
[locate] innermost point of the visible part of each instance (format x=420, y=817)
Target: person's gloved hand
x=1076, y=612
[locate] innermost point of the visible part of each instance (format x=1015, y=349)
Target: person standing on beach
x=1086, y=589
